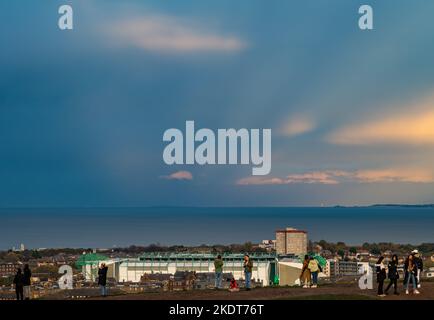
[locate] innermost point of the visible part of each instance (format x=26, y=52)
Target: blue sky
x=82, y=112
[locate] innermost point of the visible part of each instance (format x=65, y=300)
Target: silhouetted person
x=27, y=274
x=102, y=279
x=18, y=282
x=381, y=275
x=393, y=274
x=419, y=263
x=305, y=276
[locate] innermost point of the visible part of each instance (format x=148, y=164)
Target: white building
x=268, y=244
x=131, y=270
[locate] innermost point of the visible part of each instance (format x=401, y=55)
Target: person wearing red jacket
x=233, y=287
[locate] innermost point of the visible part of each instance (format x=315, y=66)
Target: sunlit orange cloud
x=169, y=34
x=397, y=129
x=297, y=125
x=318, y=177
x=260, y=181
x=179, y=175
x=333, y=177
x=395, y=175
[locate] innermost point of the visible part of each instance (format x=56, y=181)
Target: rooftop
x=204, y=256
x=290, y=230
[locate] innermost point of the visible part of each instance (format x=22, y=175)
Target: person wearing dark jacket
x=102, y=279
x=18, y=282
x=305, y=276
x=419, y=263
x=393, y=274
x=381, y=275
x=27, y=274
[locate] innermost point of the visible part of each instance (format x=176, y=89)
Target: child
x=233, y=287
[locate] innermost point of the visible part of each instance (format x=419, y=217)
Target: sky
x=83, y=111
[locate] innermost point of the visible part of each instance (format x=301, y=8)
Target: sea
x=120, y=227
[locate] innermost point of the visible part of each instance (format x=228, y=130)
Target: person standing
x=27, y=275
x=314, y=269
x=419, y=264
x=393, y=274
x=218, y=269
x=305, y=275
x=248, y=268
x=381, y=276
x=410, y=271
x=18, y=282
x=102, y=279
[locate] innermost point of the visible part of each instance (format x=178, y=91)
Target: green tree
x=11, y=257
x=35, y=254
x=6, y=281
x=375, y=250
x=366, y=246
x=247, y=247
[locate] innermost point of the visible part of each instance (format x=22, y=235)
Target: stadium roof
x=90, y=258
x=204, y=256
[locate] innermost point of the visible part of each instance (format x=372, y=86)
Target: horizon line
x=222, y=206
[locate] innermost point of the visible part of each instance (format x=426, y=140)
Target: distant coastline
x=405, y=205
x=394, y=205
x=378, y=205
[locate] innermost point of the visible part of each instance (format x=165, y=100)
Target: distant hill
x=394, y=205
x=405, y=205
